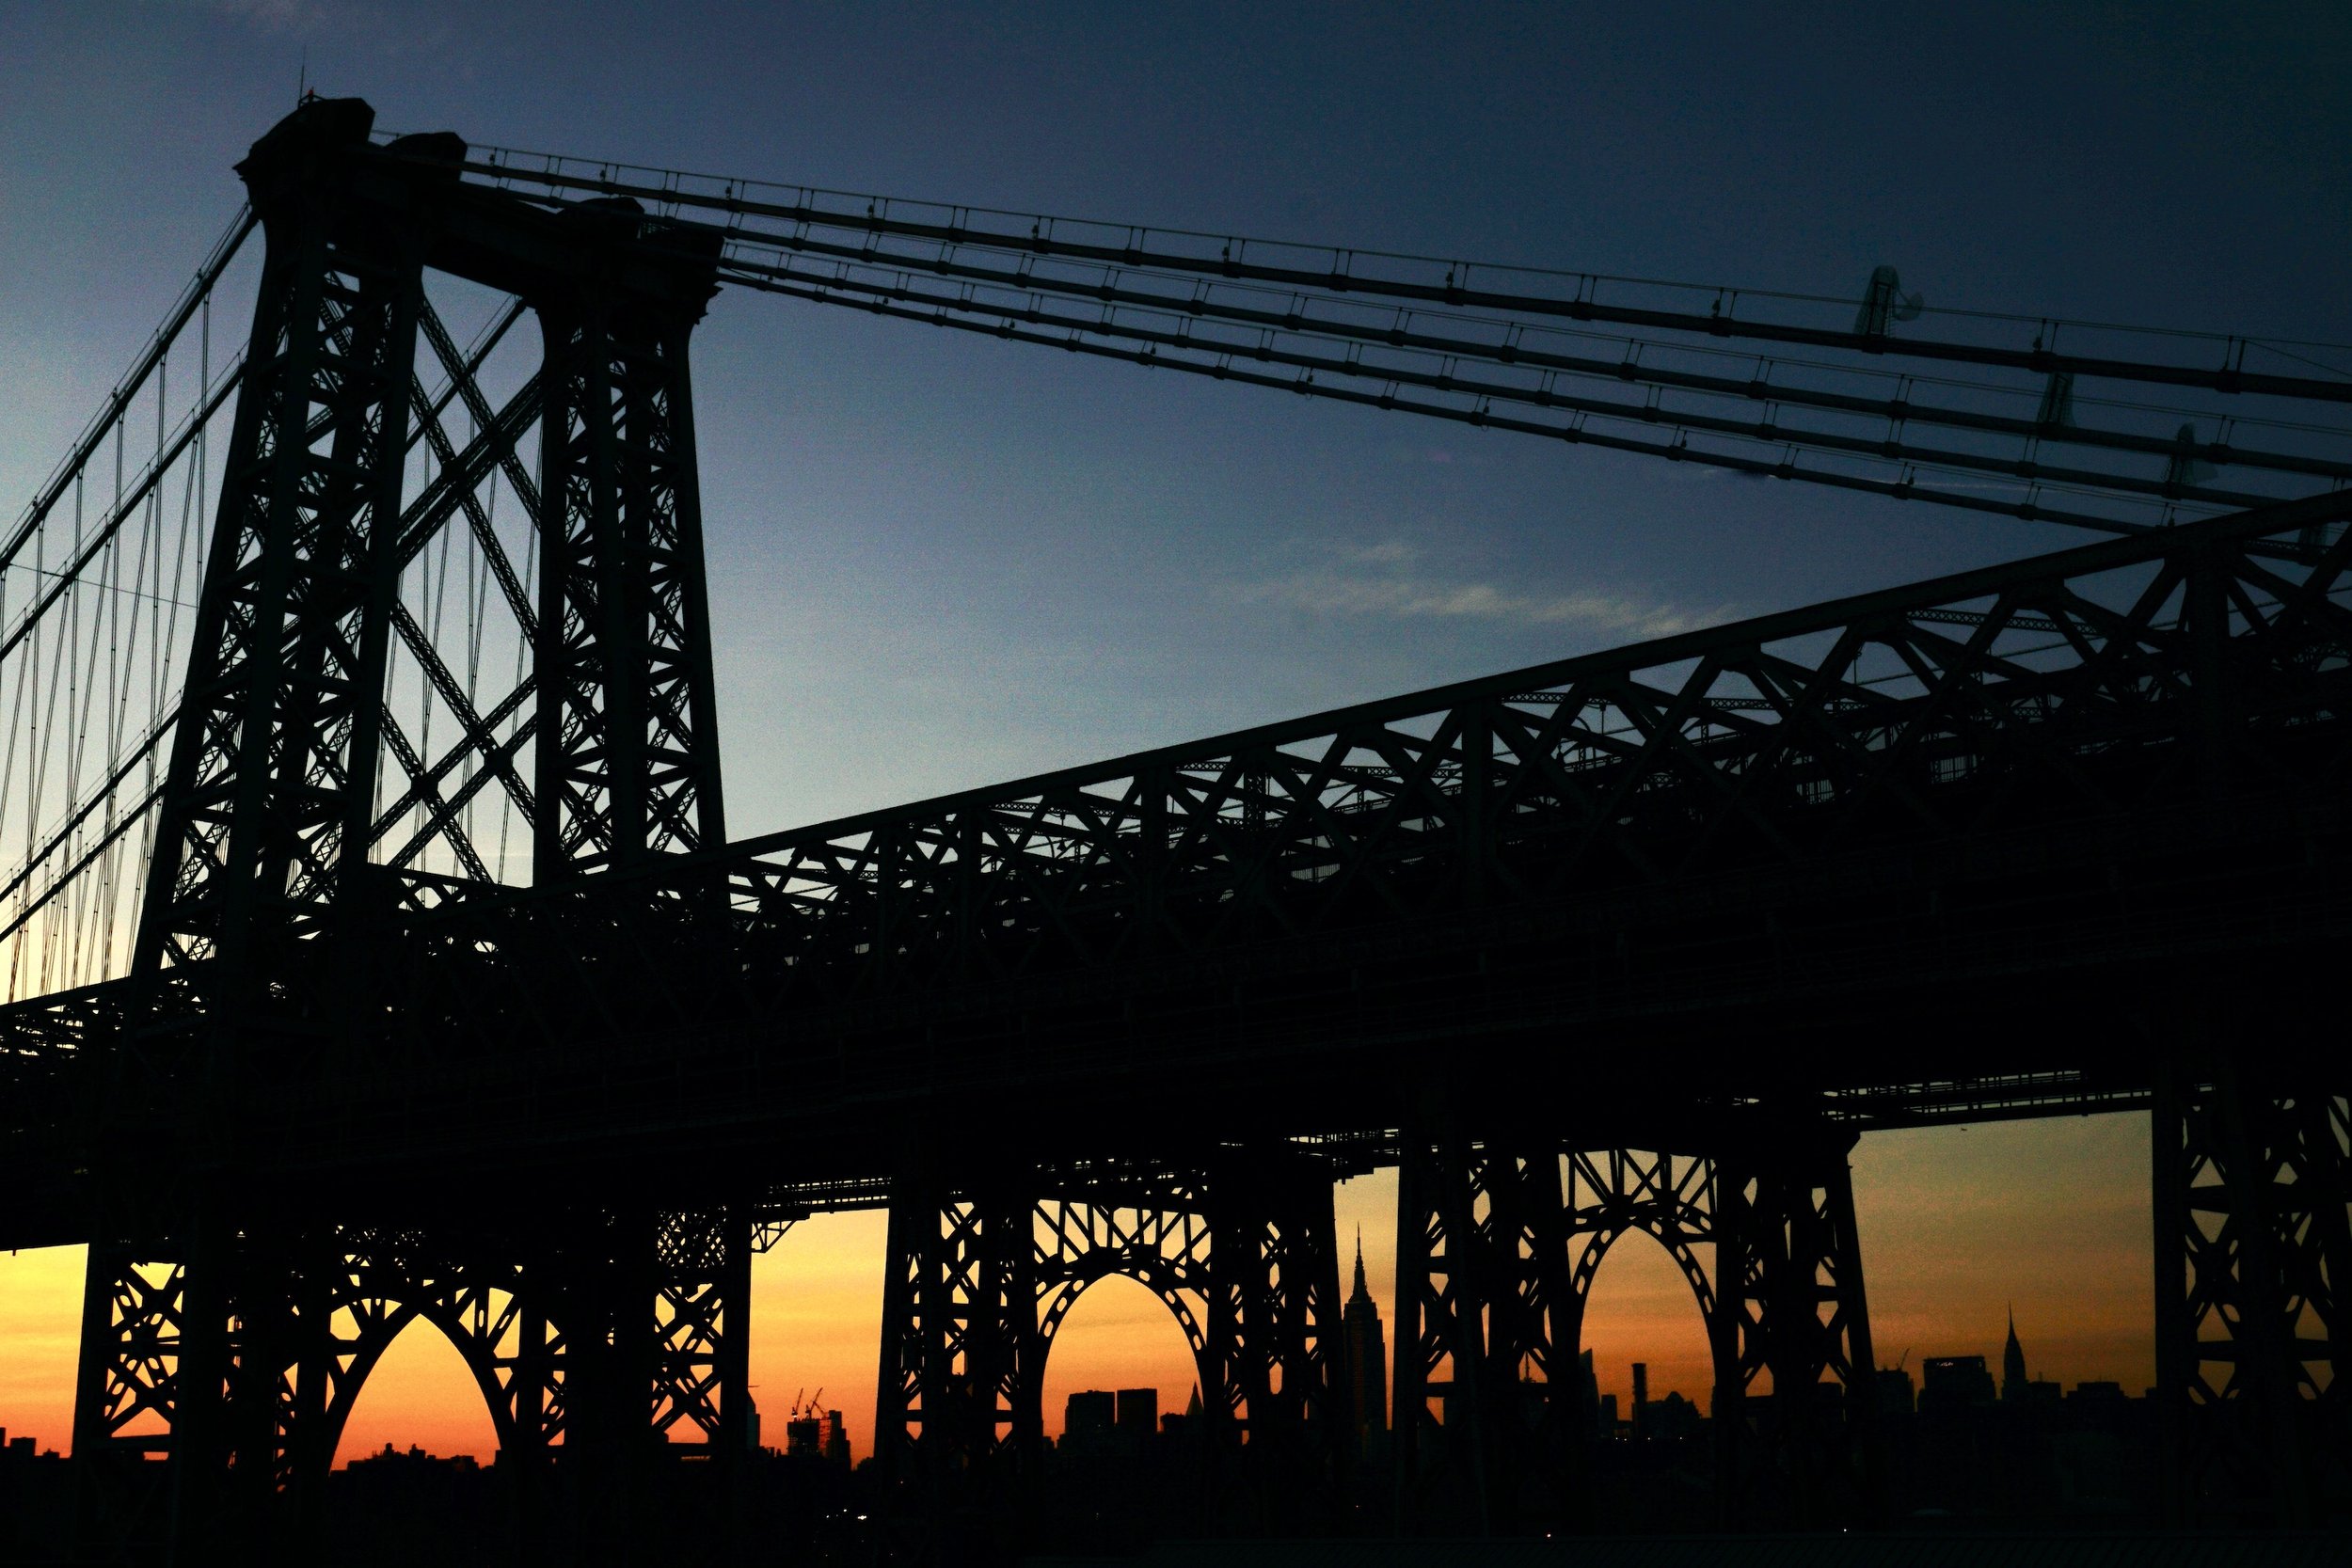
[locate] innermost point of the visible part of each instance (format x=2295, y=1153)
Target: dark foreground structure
x=1641, y=941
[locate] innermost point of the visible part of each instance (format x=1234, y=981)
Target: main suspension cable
x=1532, y=351
x=1515, y=291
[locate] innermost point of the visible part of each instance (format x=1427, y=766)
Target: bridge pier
x=1483, y=1292
x=960, y=1386
x=2253, y=1173
x=238, y=1366
x=637, y=1337
x=1790, y=1307
x=132, y=1301
x=216, y=1347
x=1282, y=1434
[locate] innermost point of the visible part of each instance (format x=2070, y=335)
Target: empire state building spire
x=1367, y=1354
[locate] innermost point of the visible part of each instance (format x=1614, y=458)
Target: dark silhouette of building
x=1896, y=1394
x=1640, y=1400
x=2026, y=1450
x=1670, y=1419
x=1089, y=1416
x=416, y=1460
x=836, y=1439
x=1588, y=1398
x=1953, y=1382
x=1367, y=1355
x=1140, y=1411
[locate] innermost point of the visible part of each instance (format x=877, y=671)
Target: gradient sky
x=939, y=560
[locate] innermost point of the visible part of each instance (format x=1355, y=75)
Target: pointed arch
x=1164, y=1250
x=1668, y=1198
x=376, y=1294
x=384, y=1325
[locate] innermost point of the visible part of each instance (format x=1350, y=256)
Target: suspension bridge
x=375, y=947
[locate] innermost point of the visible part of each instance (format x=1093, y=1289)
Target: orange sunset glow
x=1958, y=1225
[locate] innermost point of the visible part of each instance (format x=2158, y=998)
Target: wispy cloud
x=352, y=32
x=1359, y=586
x=285, y=16
x=1389, y=552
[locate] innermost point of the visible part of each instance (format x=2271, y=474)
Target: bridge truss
x=1643, y=940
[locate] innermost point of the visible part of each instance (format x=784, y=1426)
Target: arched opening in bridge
x=421, y=1394
x=40, y=1328
x=2052, y=1219
x=1641, y=1309
x=1118, y=1336
x=816, y=1324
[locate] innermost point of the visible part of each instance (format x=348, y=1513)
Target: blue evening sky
x=939, y=560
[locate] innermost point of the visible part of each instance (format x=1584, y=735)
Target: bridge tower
x=212, y=1297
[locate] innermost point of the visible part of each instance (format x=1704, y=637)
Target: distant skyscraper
x=836, y=1439
x=1089, y=1415
x=1948, y=1383
x=2012, y=1365
x=1367, y=1355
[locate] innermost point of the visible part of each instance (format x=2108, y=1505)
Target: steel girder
x=702, y=1305
x=1961, y=708
x=2253, y=1191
